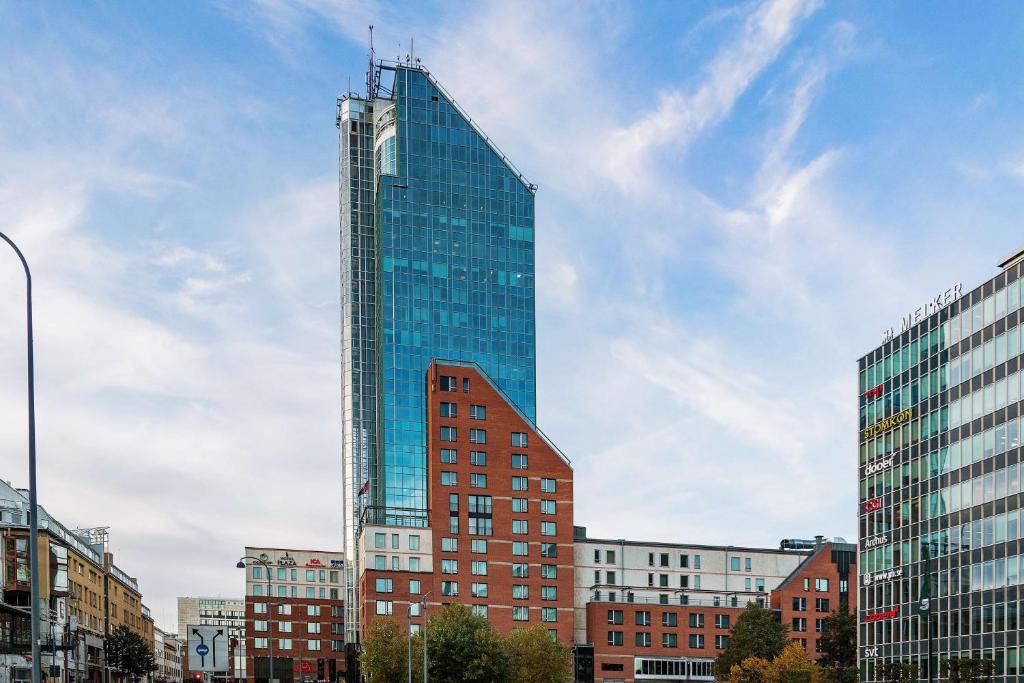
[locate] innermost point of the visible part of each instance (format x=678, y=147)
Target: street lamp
x=423, y=606
x=33, y=523
x=270, y=611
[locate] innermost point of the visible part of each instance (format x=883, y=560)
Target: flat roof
x=695, y=546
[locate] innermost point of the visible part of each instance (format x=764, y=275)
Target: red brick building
x=303, y=614
x=818, y=587
x=500, y=536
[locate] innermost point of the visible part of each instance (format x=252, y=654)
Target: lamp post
x=32, y=496
x=423, y=606
x=408, y=636
x=270, y=628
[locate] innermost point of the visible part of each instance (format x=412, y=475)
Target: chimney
x=819, y=541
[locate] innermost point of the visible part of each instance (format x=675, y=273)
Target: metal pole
x=270, y=625
x=32, y=496
x=408, y=636
x=423, y=602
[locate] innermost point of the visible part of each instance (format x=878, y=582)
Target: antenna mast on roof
x=371, y=79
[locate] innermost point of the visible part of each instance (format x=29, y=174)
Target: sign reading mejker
x=937, y=303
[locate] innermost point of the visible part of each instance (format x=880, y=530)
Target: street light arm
x=33, y=496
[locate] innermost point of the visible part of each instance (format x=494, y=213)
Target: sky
x=735, y=201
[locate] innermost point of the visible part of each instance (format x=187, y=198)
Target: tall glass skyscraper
x=437, y=261
x=941, y=505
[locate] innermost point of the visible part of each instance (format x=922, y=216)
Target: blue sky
x=735, y=200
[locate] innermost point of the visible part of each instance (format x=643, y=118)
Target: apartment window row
x=695, y=641
x=477, y=435
x=479, y=480
x=450, y=409
x=310, y=592
x=292, y=574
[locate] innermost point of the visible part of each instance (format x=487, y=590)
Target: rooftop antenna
x=371, y=80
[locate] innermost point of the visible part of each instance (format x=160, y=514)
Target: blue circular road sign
x=202, y=650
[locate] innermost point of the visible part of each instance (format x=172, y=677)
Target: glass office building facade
x=940, y=495
x=437, y=256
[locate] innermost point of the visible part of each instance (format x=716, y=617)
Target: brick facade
x=814, y=590
x=480, y=498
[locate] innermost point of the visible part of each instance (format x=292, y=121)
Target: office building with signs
x=437, y=262
x=940, y=484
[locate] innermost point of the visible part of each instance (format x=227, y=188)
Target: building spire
x=371, y=79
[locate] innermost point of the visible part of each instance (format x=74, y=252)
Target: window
x=696, y=641
x=669, y=640
x=696, y=620
x=480, y=505
x=519, y=505
x=642, y=618
x=821, y=585
x=519, y=526
x=477, y=412
x=448, y=409
x=481, y=526
x=721, y=642
x=642, y=639
x=311, y=592
x=549, y=550
x=478, y=436
x=807, y=584
x=260, y=643
x=479, y=546
x=520, y=548
x=449, y=456
x=663, y=580
x=520, y=570
x=465, y=385
x=449, y=383
x=610, y=578
x=548, y=529
x=479, y=590
x=520, y=613
x=520, y=591
x=734, y=564
x=547, y=485
x=597, y=557
x=722, y=621
x=414, y=564
x=696, y=561
x=259, y=625
x=821, y=604
x=477, y=480
x=285, y=610
x=385, y=607
x=799, y=624
x=615, y=638
x=313, y=644
x=414, y=544
x=479, y=568
x=609, y=555
x=519, y=461
x=453, y=502
x=819, y=625
x=746, y=564
x=684, y=561
x=383, y=585
x=759, y=585
x=449, y=479
x=799, y=604
x=478, y=458
x=479, y=611
x=663, y=560
x=549, y=614
x=449, y=566
x=615, y=617
x=312, y=627
x=259, y=607
x=449, y=545
x=449, y=588
x=286, y=643
x=669, y=619
x=378, y=542
x=548, y=593
x=519, y=484
x=414, y=586
x=519, y=439
x=449, y=434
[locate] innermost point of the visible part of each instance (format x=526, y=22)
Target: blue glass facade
x=454, y=240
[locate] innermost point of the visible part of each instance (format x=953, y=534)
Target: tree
x=463, y=648
x=838, y=642
x=791, y=666
x=129, y=653
x=757, y=633
x=385, y=657
x=535, y=657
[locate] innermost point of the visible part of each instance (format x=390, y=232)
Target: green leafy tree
x=535, y=657
x=838, y=642
x=129, y=654
x=463, y=648
x=385, y=656
x=757, y=633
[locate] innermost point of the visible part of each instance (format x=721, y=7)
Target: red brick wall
x=299, y=635
x=820, y=566
x=543, y=462
x=598, y=629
